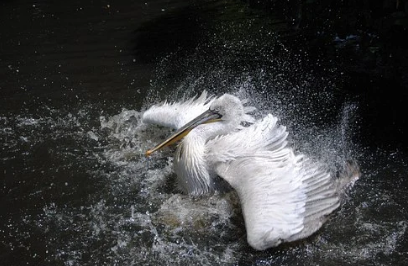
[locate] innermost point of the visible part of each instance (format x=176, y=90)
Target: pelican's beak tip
x=148, y=153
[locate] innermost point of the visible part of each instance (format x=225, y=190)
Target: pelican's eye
x=217, y=113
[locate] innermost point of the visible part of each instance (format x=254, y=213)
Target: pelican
x=284, y=196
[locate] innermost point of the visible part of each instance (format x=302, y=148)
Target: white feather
x=176, y=115
x=284, y=196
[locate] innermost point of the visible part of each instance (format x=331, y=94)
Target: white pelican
x=284, y=197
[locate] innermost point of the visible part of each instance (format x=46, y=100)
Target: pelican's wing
x=281, y=201
x=176, y=115
x=263, y=136
x=284, y=197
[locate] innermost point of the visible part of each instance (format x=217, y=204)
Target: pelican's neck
x=190, y=162
x=190, y=166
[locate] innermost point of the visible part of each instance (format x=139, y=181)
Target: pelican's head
x=227, y=109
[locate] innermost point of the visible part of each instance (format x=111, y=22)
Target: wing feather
x=264, y=135
x=284, y=197
x=177, y=114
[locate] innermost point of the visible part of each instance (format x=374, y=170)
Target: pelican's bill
x=208, y=116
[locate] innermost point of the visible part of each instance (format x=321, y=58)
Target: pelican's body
x=284, y=197
x=194, y=174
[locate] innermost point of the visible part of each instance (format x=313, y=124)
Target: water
x=76, y=187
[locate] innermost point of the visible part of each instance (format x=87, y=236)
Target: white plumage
x=176, y=115
x=284, y=197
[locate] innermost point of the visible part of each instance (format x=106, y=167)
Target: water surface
x=76, y=187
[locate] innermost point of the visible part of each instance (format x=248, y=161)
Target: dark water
x=76, y=188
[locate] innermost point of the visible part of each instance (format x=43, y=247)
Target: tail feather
x=347, y=178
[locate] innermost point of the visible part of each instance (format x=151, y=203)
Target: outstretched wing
x=284, y=196
x=281, y=201
x=176, y=115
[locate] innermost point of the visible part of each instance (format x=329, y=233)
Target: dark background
x=368, y=42
x=63, y=64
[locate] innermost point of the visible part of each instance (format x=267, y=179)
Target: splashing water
x=108, y=204
x=114, y=206
x=81, y=192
